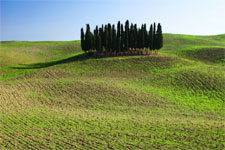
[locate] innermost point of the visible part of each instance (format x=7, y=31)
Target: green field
x=53, y=97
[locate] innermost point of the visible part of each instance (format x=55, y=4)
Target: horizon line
x=79, y=39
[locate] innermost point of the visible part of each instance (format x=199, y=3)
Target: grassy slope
x=173, y=101
x=14, y=53
x=209, y=49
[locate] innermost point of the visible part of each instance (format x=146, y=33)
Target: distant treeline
x=128, y=38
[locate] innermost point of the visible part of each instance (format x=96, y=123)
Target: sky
x=61, y=20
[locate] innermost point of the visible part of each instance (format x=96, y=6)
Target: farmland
x=53, y=97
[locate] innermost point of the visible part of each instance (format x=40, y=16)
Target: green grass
x=210, y=49
x=69, y=101
x=15, y=53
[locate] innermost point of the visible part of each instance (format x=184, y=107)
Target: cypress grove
x=111, y=39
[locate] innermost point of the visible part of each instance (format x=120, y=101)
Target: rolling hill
x=54, y=97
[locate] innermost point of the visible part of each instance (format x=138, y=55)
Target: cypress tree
x=135, y=36
x=122, y=37
x=113, y=34
x=154, y=37
x=159, y=37
x=131, y=40
x=145, y=36
x=88, y=38
x=150, y=38
x=127, y=35
x=142, y=37
x=82, y=40
x=109, y=37
x=114, y=41
x=106, y=38
x=96, y=37
x=93, y=46
x=101, y=37
x=98, y=44
x=118, y=43
x=94, y=40
x=139, y=38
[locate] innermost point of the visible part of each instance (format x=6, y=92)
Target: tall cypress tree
x=139, y=38
x=109, y=37
x=98, y=44
x=145, y=36
x=106, y=38
x=93, y=46
x=101, y=35
x=94, y=40
x=88, y=38
x=135, y=36
x=118, y=43
x=113, y=34
x=127, y=35
x=96, y=36
x=142, y=36
x=131, y=40
x=122, y=37
x=82, y=40
x=159, y=37
x=154, y=37
x=150, y=38
x=113, y=38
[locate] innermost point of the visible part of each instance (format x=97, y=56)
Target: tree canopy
x=118, y=38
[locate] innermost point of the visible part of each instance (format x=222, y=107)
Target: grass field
x=53, y=97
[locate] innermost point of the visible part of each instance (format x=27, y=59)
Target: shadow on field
x=52, y=63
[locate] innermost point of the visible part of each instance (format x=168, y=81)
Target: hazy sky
x=40, y=20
